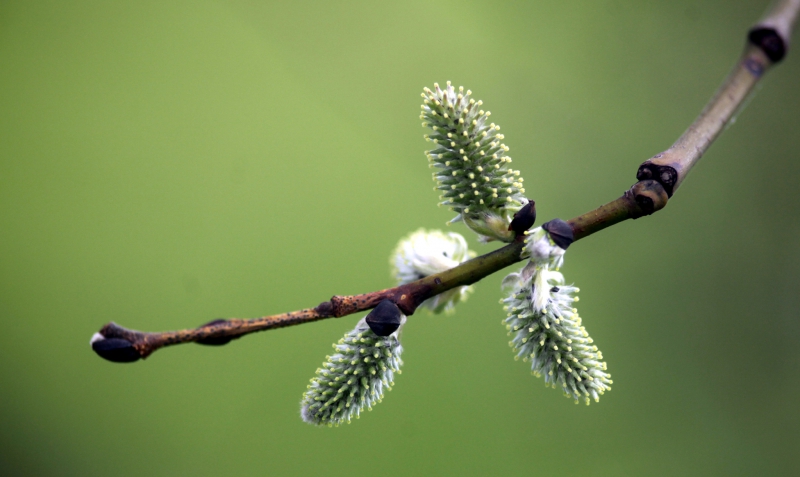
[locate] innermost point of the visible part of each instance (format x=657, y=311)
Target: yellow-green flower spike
x=354, y=378
x=547, y=329
x=553, y=339
x=473, y=172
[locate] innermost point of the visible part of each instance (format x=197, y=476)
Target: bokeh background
x=163, y=164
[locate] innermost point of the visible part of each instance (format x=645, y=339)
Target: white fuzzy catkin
x=353, y=378
x=473, y=170
x=547, y=329
x=424, y=253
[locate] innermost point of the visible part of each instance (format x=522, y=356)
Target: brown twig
x=767, y=43
x=658, y=177
x=132, y=345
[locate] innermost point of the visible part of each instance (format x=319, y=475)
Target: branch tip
x=117, y=350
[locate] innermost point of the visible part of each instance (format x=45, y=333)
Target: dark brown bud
x=769, y=41
x=560, y=232
x=667, y=176
x=216, y=341
x=649, y=196
x=117, y=350
x=524, y=218
x=385, y=318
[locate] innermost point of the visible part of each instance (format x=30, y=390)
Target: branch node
x=326, y=308
x=560, y=232
x=338, y=305
x=769, y=41
x=218, y=340
x=524, y=218
x=649, y=197
x=654, y=169
x=384, y=319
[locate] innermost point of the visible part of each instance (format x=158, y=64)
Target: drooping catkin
x=546, y=327
x=354, y=378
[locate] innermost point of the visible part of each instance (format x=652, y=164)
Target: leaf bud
x=117, y=350
x=524, y=218
x=560, y=232
x=385, y=318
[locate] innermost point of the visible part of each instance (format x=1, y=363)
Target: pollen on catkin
x=469, y=147
x=548, y=330
x=354, y=378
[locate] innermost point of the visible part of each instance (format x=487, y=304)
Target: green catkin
x=547, y=329
x=473, y=173
x=353, y=378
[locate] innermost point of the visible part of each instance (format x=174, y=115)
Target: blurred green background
x=163, y=164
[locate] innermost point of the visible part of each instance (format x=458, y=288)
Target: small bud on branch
x=355, y=377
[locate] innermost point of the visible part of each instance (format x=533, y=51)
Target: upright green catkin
x=473, y=174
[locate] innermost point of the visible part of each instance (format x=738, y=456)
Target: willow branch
x=766, y=45
x=659, y=177
x=407, y=297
